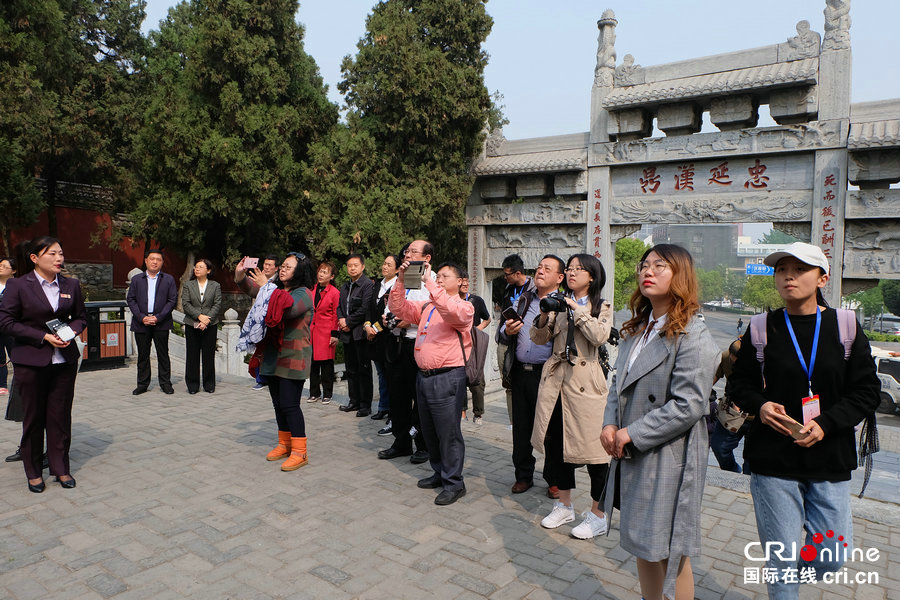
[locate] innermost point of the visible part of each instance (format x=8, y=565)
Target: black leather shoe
x=430, y=483
x=447, y=497
x=37, y=489
x=138, y=391
x=419, y=457
x=212, y=391
x=349, y=407
x=67, y=483
x=14, y=457
x=389, y=453
x=168, y=390
x=379, y=415
x=364, y=412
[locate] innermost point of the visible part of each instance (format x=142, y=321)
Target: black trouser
x=322, y=371
x=47, y=394
x=359, y=373
x=286, y=395
x=563, y=471
x=160, y=339
x=402, y=390
x=525, y=382
x=200, y=347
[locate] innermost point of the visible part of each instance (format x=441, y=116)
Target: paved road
x=176, y=500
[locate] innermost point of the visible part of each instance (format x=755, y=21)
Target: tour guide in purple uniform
x=441, y=381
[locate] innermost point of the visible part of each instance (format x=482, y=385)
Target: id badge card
x=810, y=408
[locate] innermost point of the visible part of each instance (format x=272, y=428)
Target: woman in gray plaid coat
x=653, y=425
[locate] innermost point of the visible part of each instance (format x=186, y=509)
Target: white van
x=888, y=368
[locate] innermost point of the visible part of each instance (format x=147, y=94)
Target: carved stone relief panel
x=495, y=187
x=531, y=185
x=550, y=236
x=863, y=204
x=617, y=232
x=801, y=231
x=530, y=256
x=526, y=213
x=872, y=249
x=566, y=184
x=793, y=105
x=749, y=207
x=733, y=112
x=875, y=166
x=814, y=135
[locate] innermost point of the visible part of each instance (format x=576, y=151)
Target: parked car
x=888, y=368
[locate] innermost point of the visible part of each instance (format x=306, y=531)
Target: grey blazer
x=211, y=305
x=662, y=400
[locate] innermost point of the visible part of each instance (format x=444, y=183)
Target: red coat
x=324, y=322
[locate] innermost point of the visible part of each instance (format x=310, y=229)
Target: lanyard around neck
x=815, y=346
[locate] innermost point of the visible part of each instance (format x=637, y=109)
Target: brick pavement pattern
x=176, y=500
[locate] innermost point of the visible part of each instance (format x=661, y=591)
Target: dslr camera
x=554, y=302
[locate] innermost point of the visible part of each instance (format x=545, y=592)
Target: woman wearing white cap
x=807, y=371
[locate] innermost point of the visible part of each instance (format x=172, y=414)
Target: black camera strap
x=571, y=350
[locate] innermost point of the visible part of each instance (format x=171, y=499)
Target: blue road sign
x=760, y=270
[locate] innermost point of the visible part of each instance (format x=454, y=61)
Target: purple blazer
x=25, y=312
x=164, y=304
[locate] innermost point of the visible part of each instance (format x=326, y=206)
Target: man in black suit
x=151, y=298
x=352, y=312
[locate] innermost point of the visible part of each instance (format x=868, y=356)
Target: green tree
x=235, y=102
x=760, y=293
x=870, y=300
x=712, y=284
x=777, y=237
x=628, y=254
x=418, y=105
x=66, y=68
x=733, y=285
x=890, y=290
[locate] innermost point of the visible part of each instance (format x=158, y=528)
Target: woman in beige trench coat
x=572, y=394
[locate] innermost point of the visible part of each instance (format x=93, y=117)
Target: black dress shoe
x=364, y=412
x=430, y=483
x=37, y=489
x=14, y=457
x=389, y=453
x=379, y=415
x=210, y=391
x=66, y=483
x=168, y=390
x=419, y=457
x=349, y=407
x=138, y=391
x=447, y=497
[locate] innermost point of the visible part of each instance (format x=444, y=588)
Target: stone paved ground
x=176, y=500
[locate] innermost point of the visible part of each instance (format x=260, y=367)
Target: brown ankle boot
x=298, y=455
x=283, y=448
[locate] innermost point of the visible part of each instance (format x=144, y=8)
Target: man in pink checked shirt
x=444, y=320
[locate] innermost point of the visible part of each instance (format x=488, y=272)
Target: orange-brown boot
x=283, y=448
x=298, y=455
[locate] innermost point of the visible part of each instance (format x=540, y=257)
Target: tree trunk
x=185, y=277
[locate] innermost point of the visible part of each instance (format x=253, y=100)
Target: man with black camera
x=525, y=374
x=519, y=288
x=402, y=372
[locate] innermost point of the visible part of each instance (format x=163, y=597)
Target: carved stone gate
x=576, y=193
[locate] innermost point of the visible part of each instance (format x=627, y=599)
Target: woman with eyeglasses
x=572, y=393
x=654, y=427
x=287, y=355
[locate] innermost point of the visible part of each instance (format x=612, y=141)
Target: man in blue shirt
x=525, y=375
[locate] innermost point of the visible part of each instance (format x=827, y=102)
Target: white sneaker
x=326, y=400
x=560, y=515
x=592, y=526
x=477, y=421
x=312, y=399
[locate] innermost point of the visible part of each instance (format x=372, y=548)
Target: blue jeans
x=723, y=443
x=384, y=400
x=786, y=507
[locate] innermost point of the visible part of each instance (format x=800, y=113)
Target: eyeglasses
x=412, y=251
x=656, y=268
x=510, y=274
x=575, y=270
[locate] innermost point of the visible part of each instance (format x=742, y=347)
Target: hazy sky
x=542, y=54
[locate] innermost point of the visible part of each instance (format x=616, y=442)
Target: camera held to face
x=554, y=302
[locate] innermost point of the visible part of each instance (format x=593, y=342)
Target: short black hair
x=451, y=265
x=304, y=273
x=209, y=265
x=428, y=249
x=11, y=261
x=154, y=251
x=464, y=274
x=514, y=263
x=352, y=256
x=559, y=261
x=271, y=257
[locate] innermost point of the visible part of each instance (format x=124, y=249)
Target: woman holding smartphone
x=572, y=393
x=654, y=426
x=810, y=379
x=45, y=363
